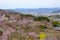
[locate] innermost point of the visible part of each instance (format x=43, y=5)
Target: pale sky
x=11, y=4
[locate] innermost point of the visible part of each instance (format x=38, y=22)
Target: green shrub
x=56, y=24
x=41, y=19
x=27, y=15
x=43, y=27
x=1, y=32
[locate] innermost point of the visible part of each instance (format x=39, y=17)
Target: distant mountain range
x=38, y=10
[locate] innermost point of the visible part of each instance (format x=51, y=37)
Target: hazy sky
x=9, y=4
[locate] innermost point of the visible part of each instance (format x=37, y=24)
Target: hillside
x=18, y=26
